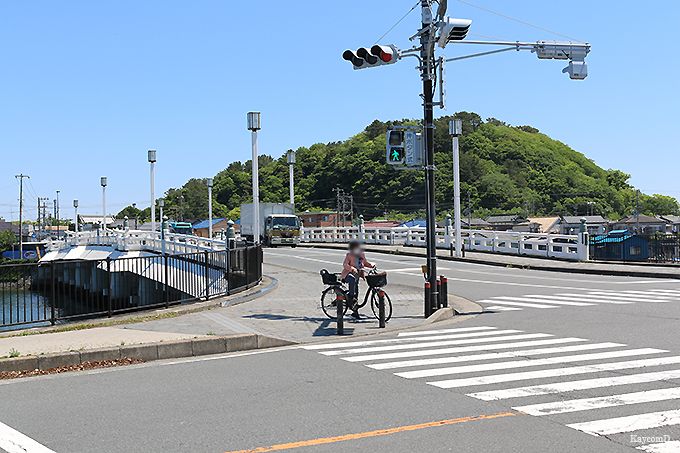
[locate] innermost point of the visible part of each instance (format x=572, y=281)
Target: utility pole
x=209, y=182
x=427, y=42
x=56, y=211
x=21, y=177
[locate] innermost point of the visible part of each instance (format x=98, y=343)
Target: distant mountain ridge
x=504, y=169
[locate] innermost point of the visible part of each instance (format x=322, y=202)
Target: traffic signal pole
x=427, y=73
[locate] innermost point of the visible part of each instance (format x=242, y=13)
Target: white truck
x=278, y=224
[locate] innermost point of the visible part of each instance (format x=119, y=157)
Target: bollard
x=339, y=305
x=444, y=291
x=381, y=309
x=439, y=294
x=428, y=307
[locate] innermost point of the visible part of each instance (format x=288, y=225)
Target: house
x=595, y=224
x=381, y=223
x=474, y=224
x=202, y=228
x=642, y=224
x=619, y=245
x=506, y=222
x=322, y=219
x=9, y=226
x=543, y=224
x=673, y=223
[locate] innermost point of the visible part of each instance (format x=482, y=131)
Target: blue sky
x=87, y=87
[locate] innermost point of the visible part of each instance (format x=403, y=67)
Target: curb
x=146, y=352
x=549, y=268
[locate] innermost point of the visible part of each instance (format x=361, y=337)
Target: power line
x=520, y=21
x=397, y=23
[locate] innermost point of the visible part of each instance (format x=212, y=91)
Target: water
x=27, y=307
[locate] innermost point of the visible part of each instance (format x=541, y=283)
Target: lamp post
x=134, y=205
x=161, y=205
x=290, y=155
x=152, y=164
x=254, y=125
x=455, y=129
x=104, y=182
x=56, y=211
x=75, y=207
x=209, y=182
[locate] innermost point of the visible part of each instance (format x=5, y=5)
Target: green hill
x=504, y=169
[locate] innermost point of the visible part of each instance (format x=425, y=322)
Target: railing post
x=207, y=276
x=166, y=296
x=53, y=310
x=108, y=287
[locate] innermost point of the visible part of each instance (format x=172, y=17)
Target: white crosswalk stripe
x=672, y=446
x=580, y=299
x=482, y=361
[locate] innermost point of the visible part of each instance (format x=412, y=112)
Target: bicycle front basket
x=377, y=280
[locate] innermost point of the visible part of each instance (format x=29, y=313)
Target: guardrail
x=43, y=293
x=568, y=247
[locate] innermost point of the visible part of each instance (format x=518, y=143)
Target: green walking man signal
x=405, y=148
x=397, y=155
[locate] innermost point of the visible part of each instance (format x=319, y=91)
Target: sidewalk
x=287, y=309
x=544, y=264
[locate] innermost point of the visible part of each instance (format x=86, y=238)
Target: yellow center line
x=376, y=433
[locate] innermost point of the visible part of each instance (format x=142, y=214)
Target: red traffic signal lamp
x=377, y=55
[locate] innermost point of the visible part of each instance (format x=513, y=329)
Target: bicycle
x=337, y=292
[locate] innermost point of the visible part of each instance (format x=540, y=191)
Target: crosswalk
x=599, y=388
x=579, y=299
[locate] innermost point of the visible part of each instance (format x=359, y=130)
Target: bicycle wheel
x=330, y=297
x=374, y=304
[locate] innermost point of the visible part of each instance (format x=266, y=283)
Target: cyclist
x=352, y=270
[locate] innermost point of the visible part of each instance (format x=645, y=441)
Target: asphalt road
x=599, y=373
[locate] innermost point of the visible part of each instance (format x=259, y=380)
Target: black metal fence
x=657, y=248
x=36, y=294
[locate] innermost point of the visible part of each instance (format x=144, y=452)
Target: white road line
x=571, y=296
x=672, y=446
x=554, y=372
x=436, y=344
x=526, y=363
x=543, y=300
x=586, y=404
x=498, y=308
x=518, y=304
x=632, y=297
x=492, y=356
x=629, y=423
x=440, y=331
x=12, y=441
x=351, y=344
x=652, y=294
x=571, y=386
x=483, y=347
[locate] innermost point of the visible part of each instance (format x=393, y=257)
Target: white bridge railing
x=135, y=240
x=569, y=247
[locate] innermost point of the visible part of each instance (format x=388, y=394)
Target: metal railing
x=568, y=247
x=52, y=291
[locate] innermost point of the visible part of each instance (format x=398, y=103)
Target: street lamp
x=161, y=205
x=254, y=125
x=134, y=205
x=56, y=211
x=152, y=164
x=455, y=130
x=290, y=155
x=75, y=207
x=209, y=182
x=104, y=183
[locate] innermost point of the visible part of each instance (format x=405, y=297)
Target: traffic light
x=453, y=29
x=396, y=152
x=377, y=55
